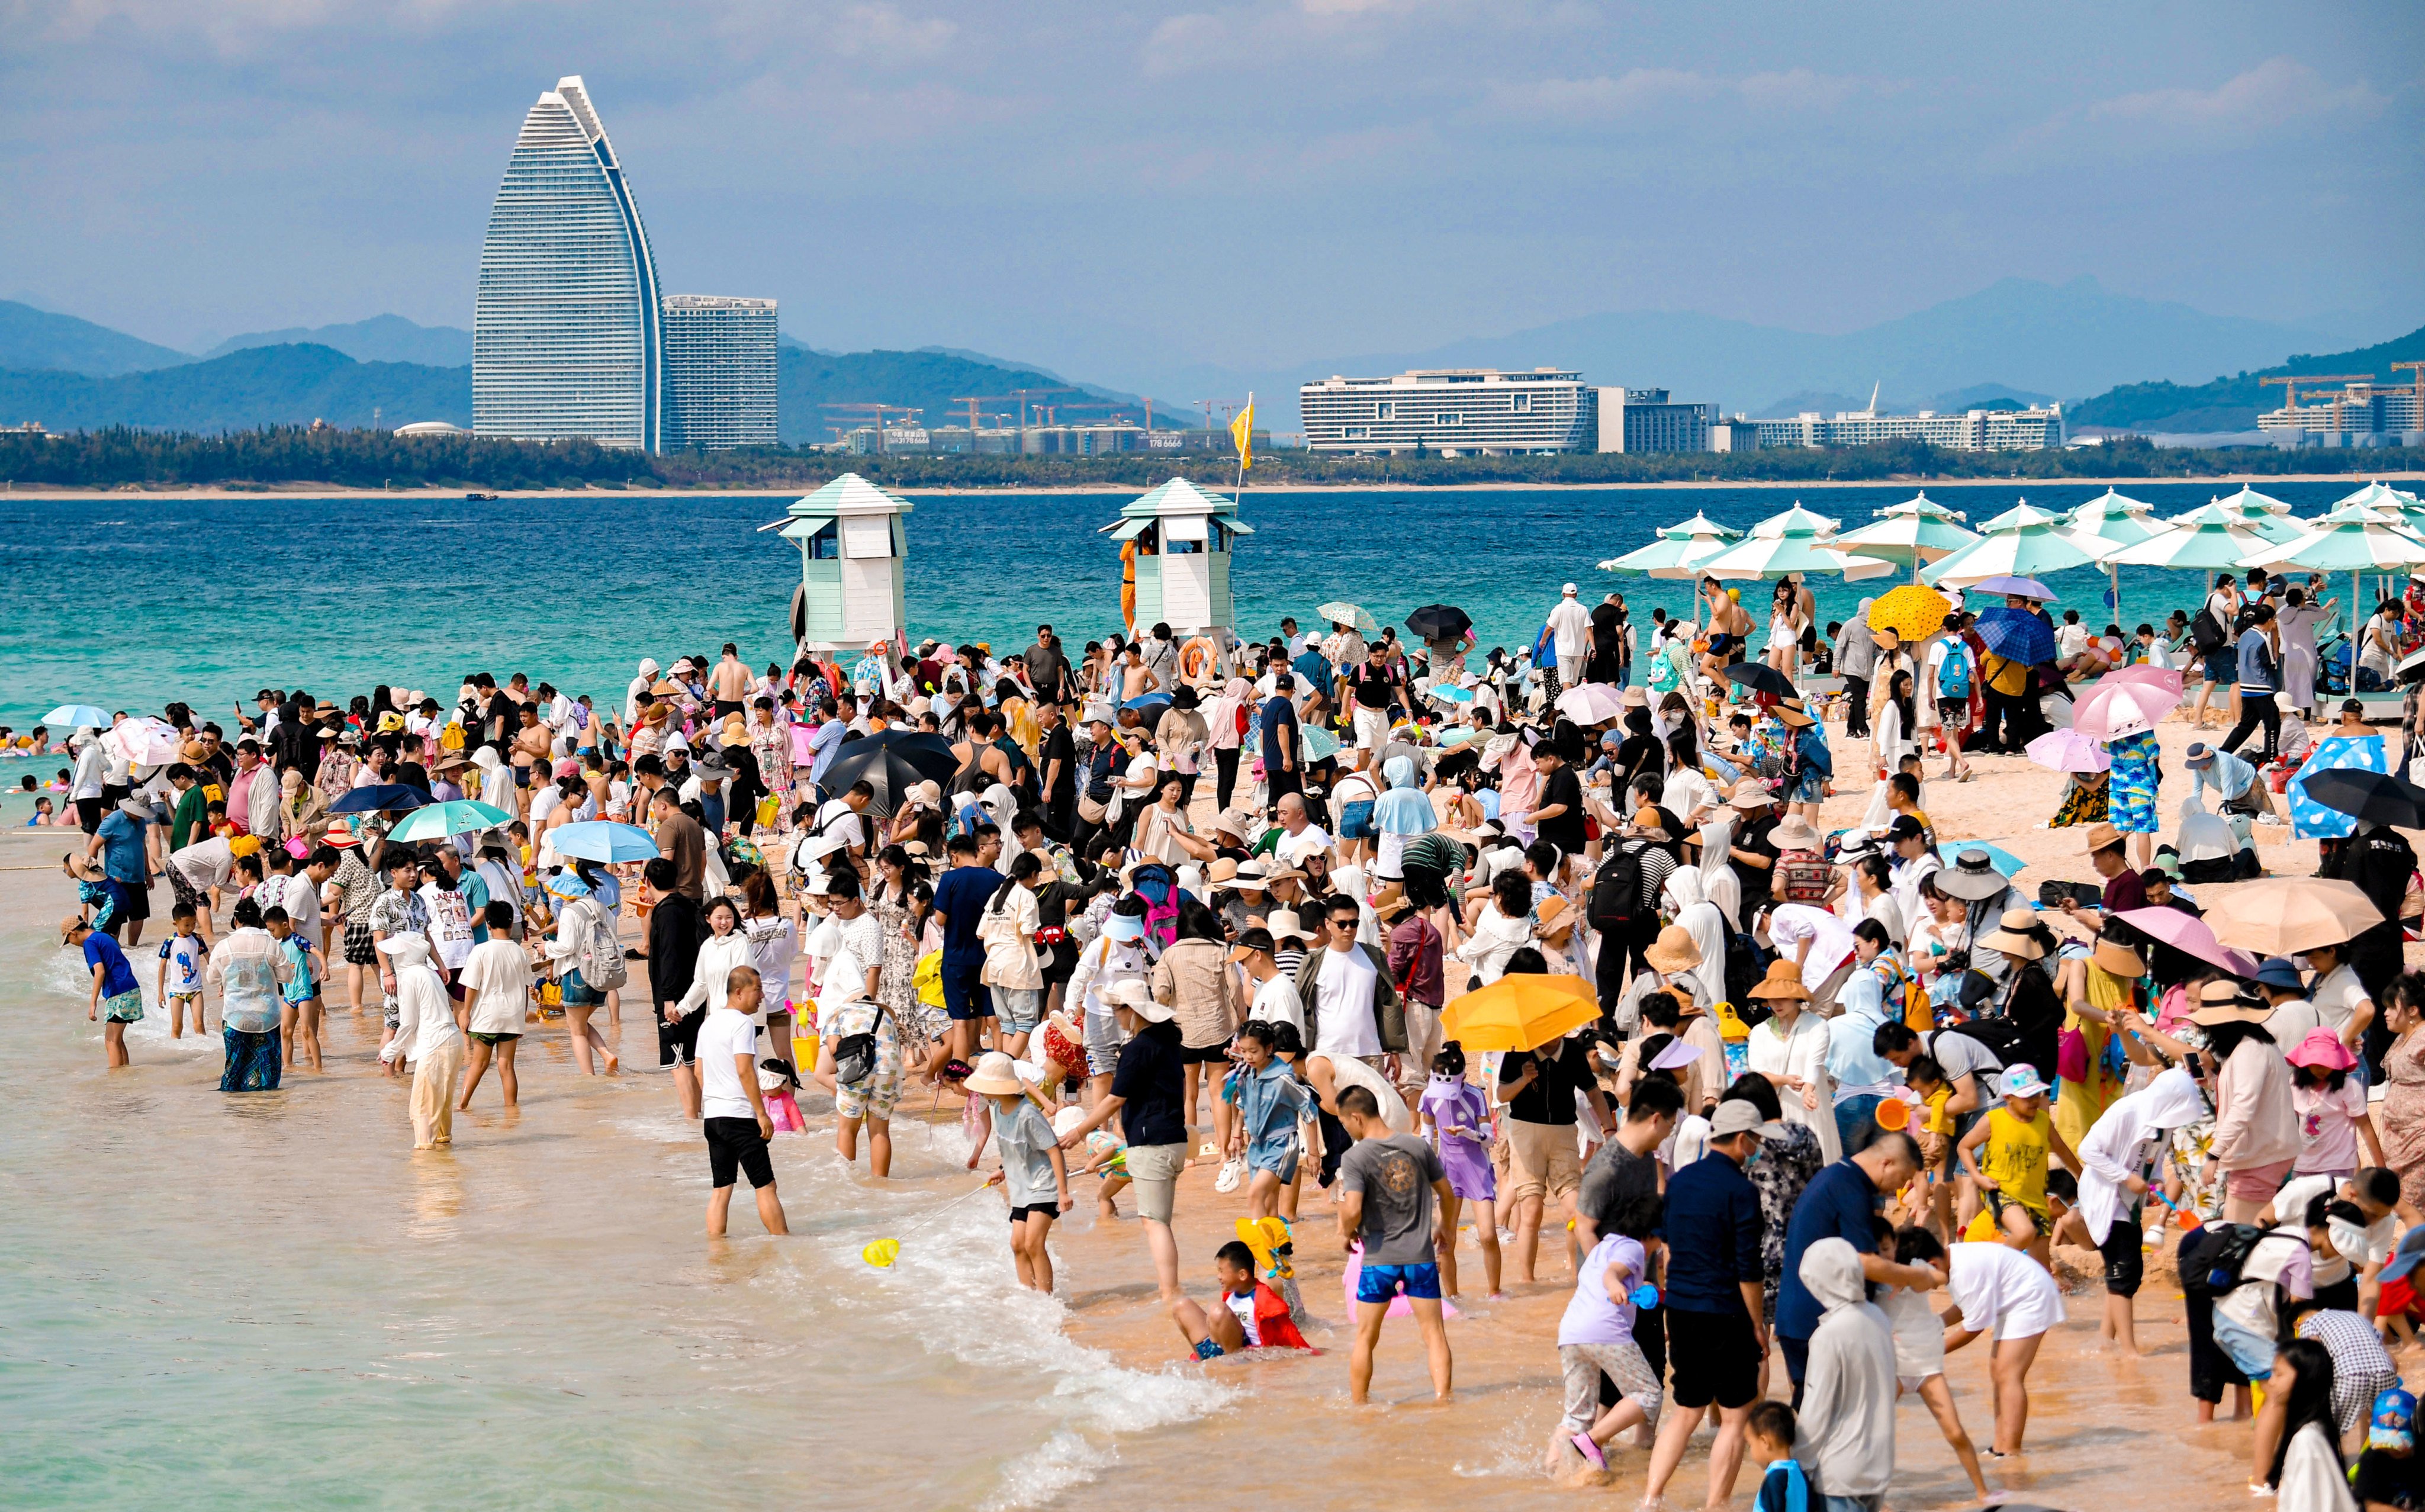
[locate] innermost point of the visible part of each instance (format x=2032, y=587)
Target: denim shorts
x=2250, y=1351
x=1379, y=1283
x=1278, y=1155
x=578, y=994
x=1356, y=821
x=1020, y=1009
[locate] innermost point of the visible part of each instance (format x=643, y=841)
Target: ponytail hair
x=1025, y=867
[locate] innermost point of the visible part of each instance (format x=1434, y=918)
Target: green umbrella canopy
x=2117, y=518
x=2274, y=528
x=2023, y=541
x=1671, y=557
x=2209, y=546
x=1916, y=529
x=1795, y=522
x=2348, y=544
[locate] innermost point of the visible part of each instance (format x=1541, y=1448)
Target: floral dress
x=1784, y=1166
x=2401, y=1122
x=2130, y=790
x=896, y=988
x=770, y=742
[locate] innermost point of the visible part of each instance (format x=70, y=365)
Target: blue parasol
x=2016, y=634
x=602, y=840
x=380, y=798
x=1998, y=857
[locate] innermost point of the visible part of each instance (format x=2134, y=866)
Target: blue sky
x=1114, y=189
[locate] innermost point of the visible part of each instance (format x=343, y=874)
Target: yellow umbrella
x=1519, y=1011
x=2285, y=915
x=1911, y=611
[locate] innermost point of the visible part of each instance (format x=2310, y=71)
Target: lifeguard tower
x=852, y=545
x=1177, y=541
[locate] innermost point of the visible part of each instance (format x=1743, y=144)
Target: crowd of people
x=1832, y=1076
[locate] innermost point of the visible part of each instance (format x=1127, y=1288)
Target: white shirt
x=1569, y=622
x=450, y=925
x=2071, y=638
x=292, y=891
x=502, y=974
x=206, y=864
x=1276, y=1002
x=2002, y=1291
x=724, y=1035
x=2336, y=998
x=1831, y=941
x=1940, y=651
x=858, y=944
x=839, y=821
x=718, y=956
x=1344, y=1005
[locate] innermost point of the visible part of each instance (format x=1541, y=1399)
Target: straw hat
x=1791, y=712
x=340, y=836
x=2100, y=837
x=1796, y=833
x=1283, y=924
x=1750, y=795
x=1555, y=914
x=1972, y=878
x=2117, y=959
x=1392, y=901
x=1648, y=824
x=1673, y=951
x=1222, y=872
x=1130, y=993
x=2224, y=1002
x=2015, y=939
x=996, y=1075
x=1784, y=980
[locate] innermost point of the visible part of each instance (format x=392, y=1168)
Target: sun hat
x=1130, y=993
x=2224, y=1002
x=567, y=885
x=1553, y=914
x=1672, y=951
x=1648, y=824
x=2392, y=1425
x=135, y=807
x=2406, y=1255
x=1796, y=833
x=2021, y=1080
x=2282, y=974
x=340, y=836
x=2321, y=1050
x=1232, y=822
x=1675, y=1055
x=2117, y=959
x=1784, y=980
x=2013, y=937
x=1791, y=712
x=1283, y=924
x=1972, y=878
x=996, y=1075
x=2199, y=754
x=2100, y=837
x=1223, y=870
x=1749, y=795
x=1741, y=1115
x=1126, y=927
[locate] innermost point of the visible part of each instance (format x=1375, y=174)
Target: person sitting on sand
x=1251, y=1314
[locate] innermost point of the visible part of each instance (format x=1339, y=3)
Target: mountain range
x=2016, y=342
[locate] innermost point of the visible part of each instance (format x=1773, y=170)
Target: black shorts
x=1045, y=1210
x=678, y=1041
x=726, y=707
x=2125, y=1257
x=735, y=1147
x=134, y=899
x=1190, y=1055
x=1716, y=1359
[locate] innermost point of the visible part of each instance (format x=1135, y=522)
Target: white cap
x=1568, y=590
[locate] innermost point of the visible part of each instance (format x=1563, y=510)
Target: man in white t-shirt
x=1275, y=995
x=841, y=818
x=1940, y=682
x=732, y=1112
x=1344, y=986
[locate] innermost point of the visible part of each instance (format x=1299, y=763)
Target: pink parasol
x=2113, y=710
x=2188, y=934
x=2068, y=750
x=2155, y=677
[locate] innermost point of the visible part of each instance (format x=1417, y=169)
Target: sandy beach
x=524, y=1190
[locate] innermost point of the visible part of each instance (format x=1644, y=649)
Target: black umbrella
x=2376, y=795
x=1762, y=678
x=390, y=798
x=1440, y=622
x=892, y=764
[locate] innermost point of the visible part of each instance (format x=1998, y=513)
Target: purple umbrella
x=2188, y=934
x=2028, y=588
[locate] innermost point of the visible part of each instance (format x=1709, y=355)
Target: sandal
x=1590, y=1451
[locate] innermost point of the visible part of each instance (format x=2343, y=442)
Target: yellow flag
x=1241, y=430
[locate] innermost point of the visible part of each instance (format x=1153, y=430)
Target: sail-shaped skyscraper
x=567, y=335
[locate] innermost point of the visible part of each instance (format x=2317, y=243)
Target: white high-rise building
x=566, y=335
x=720, y=362
x=1452, y=412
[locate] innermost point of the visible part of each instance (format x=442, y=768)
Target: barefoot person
x=732, y=1110
x=114, y=986
x=2001, y=1292
x=1389, y=1186
x=496, y=999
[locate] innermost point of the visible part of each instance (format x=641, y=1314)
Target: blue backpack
x=1954, y=673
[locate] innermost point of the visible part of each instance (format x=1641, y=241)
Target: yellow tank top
x=2015, y=1157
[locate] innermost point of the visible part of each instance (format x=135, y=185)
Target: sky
x=1117, y=190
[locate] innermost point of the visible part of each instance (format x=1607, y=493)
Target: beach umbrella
x=2166, y=678
x=1796, y=552
x=2124, y=521
x=2347, y=756
x=1339, y=612
x=2016, y=634
x=2023, y=541
x=1591, y=704
x=2248, y=501
x=2381, y=796
x=2213, y=544
x=893, y=763
x=2188, y=934
x=1440, y=622
x=1319, y=744
x=2355, y=538
x=76, y=717
x=1762, y=678
x=2068, y=750
x=602, y=840
x=1915, y=531
x=2113, y=710
x=1950, y=852
x=2255, y=519
x=1449, y=693
x=380, y=798
x=1795, y=522
x=2285, y=915
x=144, y=741
x=1678, y=551
x=1158, y=699
x=1522, y=1011
x=1911, y=611
x=455, y=817
x=2010, y=587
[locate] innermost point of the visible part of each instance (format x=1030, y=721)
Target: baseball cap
x=1252, y=940
x=1737, y=1116
x=2281, y=973
x=1904, y=827
x=2020, y=1081
x=2393, y=1423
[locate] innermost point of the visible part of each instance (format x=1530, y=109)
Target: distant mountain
x=380, y=339
x=929, y=379
x=2026, y=336
x=256, y=386
x=2234, y=402
x=36, y=339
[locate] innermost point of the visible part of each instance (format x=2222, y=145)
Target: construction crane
x=2290, y=389
x=1018, y=396
x=2418, y=369
x=878, y=410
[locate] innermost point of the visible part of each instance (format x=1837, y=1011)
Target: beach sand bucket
x=1893, y=1114
x=880, y=1253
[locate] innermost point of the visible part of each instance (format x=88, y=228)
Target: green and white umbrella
x=2355, y=538
x=1915, y=531
x=457, y=816
x=2208, y=546
x=2123, y=522
x=2245, y=509
x=1679, y=551
x=2248, y=501
x=2023, y=541
x=1795, y=522
x=1794, y=553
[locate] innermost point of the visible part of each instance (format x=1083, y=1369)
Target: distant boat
x=477, y=498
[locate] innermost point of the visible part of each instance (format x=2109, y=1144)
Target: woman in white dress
x=1785, y=626
x=1789, y=1047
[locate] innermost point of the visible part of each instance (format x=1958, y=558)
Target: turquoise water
x=129, y=602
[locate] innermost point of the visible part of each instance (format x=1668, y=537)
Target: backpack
x=1158, y=885
x=2001, y=1036
x=1802, y=877
x=2211, y=1264
x=1954, y=673
x=451, y=738
x=2206, y=632
x=1616, y=891
x=1746, y=964
x=599, y=955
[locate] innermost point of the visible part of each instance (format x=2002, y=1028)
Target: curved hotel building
x=567, y=336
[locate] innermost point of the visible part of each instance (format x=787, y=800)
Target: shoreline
x=306, y=490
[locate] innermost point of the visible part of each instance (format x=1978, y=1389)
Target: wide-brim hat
x=2100, y=837
x=2224, y=1002
x=1972, y=878
x=2321, y=1050
x=2117, y=959
x=135, y=807
x=1283, y=924
x=340, y=837
x=2012, y=943
x=1796, y=833
x=1223, y=870
x=1784, y=980
x=1553, y=914
x=996, y=1075
x=1672, y=951
x=1749, y=795
x=1791, y=712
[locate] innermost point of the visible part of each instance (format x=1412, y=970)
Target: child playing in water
x=96, y=897
x=300, y=1019
x=1031, y=1155
x=1596, y=1337
x=1270, y=1101
x=180, y=981
x=1251, y=1315
x=1105, y=1156
x=1785, y=1485
x=1458, y=1117
x=1920, y=1341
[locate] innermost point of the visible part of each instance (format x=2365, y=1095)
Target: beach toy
x=1729, y=1026
x=882, y=1253
x=1273, y=1247
x=1645, y=1296
x=1893, y=1114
